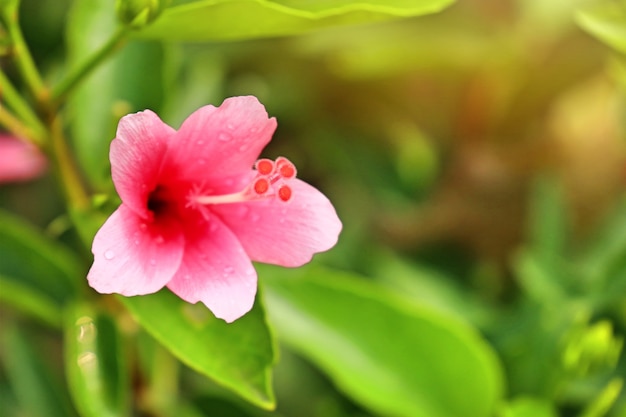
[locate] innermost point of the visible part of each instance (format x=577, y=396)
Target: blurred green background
x=476, y=157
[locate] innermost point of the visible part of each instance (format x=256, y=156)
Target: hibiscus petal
x=284, y=233
x=216, y=271
x=220, y=142
x=136, y=156
x=132, y=257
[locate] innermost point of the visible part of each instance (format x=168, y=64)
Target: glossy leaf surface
x=209, y=20
x=394, y=357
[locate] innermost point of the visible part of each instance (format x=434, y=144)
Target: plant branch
x=61, y=90
x=23, y=58
x=21, y=108
x=17, y=128
x=66, y=167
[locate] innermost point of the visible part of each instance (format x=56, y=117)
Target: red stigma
x=261, y=185
x=285, y=168
x=284, y=192
x=264, y=166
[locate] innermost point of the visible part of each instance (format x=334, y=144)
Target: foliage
x=475, y=156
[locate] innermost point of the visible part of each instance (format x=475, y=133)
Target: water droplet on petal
x=108, y=255
x=224, y=137
x=159, y=239
x=143, y=226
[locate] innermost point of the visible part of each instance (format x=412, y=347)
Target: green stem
x=66, y=168
x=61, y=90
x=17, y=128
x=23, y=58
x=21, y=109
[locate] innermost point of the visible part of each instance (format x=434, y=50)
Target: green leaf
x=528, y=407
x=209, y=20
x=237, y=356
x=29, y=301
x=605, y=400
x=548, y=223
x=394, y=357
x=45, y=267
x=606, y=21
x=604, y=266
x=37, y=391
x=95, y=363
x=130, y=81
x=537, y=281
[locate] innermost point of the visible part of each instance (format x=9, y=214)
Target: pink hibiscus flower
x=19, y=160
x=195, y=213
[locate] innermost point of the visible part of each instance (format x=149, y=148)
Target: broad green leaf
x=396, y=358
x=37, y=390
x=131, y=80
x=32, y=261
x=237, y=356
x=428, y=287
x=95, y=365
x=208, y=20
x=606, y=21
x=528, y=407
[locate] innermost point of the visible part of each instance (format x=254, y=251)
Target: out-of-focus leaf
x=95, y=365
x=604, y=266
x=238, y=356
x=208, y=20
x=27, y=257
x=130, y=81
x=604, y=401
x=34, y=303
x=548, y=223
x=607, y=21
x=528, y=407
x=538, y=282
x=392, y=356
x=37, y=392
x=197, y=77
x=428, y=287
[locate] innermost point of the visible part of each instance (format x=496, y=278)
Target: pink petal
x=216, y=143
x=287, y=234
x=216, y=271
x=136, y=156
x=132, y=257
x=19, y=161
